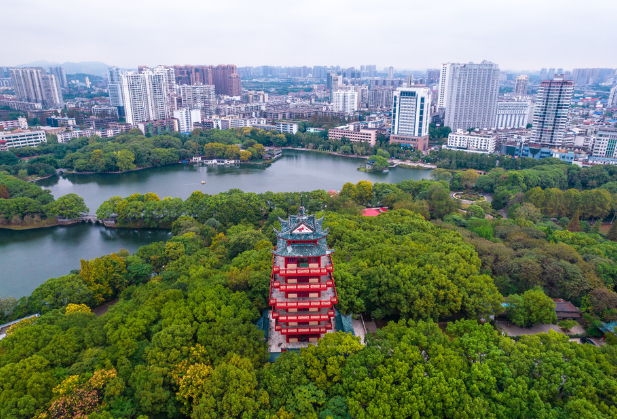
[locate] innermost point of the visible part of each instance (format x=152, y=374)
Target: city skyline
x=513, y=37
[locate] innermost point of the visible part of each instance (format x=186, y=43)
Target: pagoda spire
x=301, y=210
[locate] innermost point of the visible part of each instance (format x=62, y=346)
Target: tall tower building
x=60, y=76
x=411, y=111
x=170, y=77
x=302, y=289
x=345, y=100
x=226, y=80
x=114, y=86
x=145, y=96
x=551, y=109
x=199, y=96
x=470, y=96
x=391, y=72
x=333, y=81
x=445, y=76
x=612, y=97
x=34, y=85
x=411, y=116
x=520, y=85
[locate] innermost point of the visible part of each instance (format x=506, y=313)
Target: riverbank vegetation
x=26, y=205
x=180, y=341
x=132, y=150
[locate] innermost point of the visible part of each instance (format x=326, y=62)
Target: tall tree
x=575, y=224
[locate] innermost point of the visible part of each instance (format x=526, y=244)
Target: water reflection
x=29, y=257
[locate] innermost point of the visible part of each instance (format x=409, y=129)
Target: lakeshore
x=58, y=250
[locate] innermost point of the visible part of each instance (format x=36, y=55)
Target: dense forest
x=181, y=340
x=25, y=204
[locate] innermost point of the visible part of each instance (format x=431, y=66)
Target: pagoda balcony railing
x=303, y=317
x=302, y=287
x=303, y=329
x=295, y=303
x=301, y=271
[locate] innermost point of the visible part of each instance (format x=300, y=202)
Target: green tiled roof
x=282, y=249
x=286, y=233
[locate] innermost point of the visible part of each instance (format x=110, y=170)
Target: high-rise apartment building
x=390, y=72
x=187, y=119
x=225, y=78
x=520, y=85
x=444, y=80
x=345, y=101
x=551, y=109
x=411, y=111
x=145, y=96
x=333, y=81
x=246, y=72
x=591, y=76
x=320, y=72
x=368, y=70
x=432, y=76
x=114, y=86
x=34, y=85
x=170, y=77
x=193, y=74
x=380, y=98
x=470, y=95
x=512, y=114
x=199, y=96
x=60, y=76
x=612, y=97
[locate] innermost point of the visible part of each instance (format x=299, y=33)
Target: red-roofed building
x=373, y=212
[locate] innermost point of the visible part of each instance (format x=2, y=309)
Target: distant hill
x=86, y=67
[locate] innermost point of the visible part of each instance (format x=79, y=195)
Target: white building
x=66, y=136
x=20, y=122
x=605, y=143
x=444, y=80
x=551, y=111
x=289, y=127
x=34, y=85
x=60, y=76
x=145, y=96
x=187, y=118
x=470, y=95
x=21, y=138
x=411, y=111
x=472, y=143
x=345, y=101
x=114, y=86
x=612, y=98
x=512, y=114
x=198, y=96
x=169, y=75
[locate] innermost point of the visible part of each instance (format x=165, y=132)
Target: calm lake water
x=28, y=258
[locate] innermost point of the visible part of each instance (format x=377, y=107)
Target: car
x=588, y=341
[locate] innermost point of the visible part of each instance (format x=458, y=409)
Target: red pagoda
x=302, y=291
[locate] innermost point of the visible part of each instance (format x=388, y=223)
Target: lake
x=29, y=257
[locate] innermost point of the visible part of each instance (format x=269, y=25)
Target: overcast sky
x=407, y=34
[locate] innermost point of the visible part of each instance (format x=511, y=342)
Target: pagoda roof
x=301, y=227
x=283, y=249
